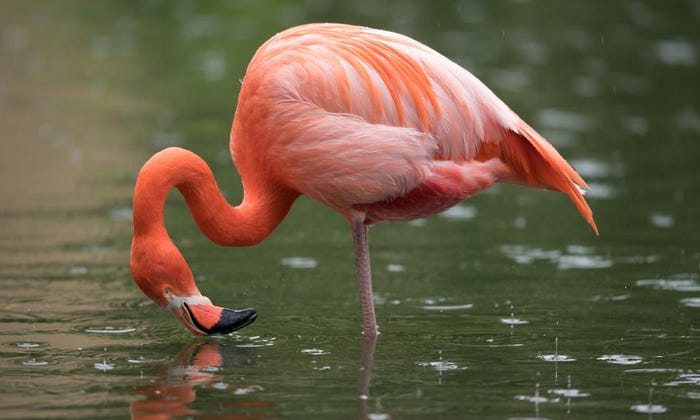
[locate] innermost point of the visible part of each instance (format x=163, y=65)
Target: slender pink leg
x=364, y=277
x=363, y=381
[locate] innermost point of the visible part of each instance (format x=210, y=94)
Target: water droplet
x=678, y=283
x=569, y=393
x=513, y=321
x=110, y=330
x=532, y=398
x=448, y=307
x=459, y=212
x=661, y=220
x=567, y=262
x=213, y=66
x=417, y=223
x=621, y=359
x=565, y=120
x=315, y=352
x=247, y=390
x=653, y=370
x=34, y=362
x=104, y=366
x=120, y=214
x=690, y=378
x=299, y=262
x=648, y=408
x=693, y=302
x=556, y=358
x=600, y=190
x=395, y=268
x=220, y=385
x=440, y=365
x=78, y=270
x=677, y=52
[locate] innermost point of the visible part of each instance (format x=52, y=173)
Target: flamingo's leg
x=364, y=277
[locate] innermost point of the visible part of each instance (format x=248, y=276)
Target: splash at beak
x=207, y=319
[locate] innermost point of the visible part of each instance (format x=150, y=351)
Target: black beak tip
x=229, y=320
x=232, y=320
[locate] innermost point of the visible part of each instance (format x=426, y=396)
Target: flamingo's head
x=162, y=274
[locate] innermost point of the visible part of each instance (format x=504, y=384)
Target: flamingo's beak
x=208, y=319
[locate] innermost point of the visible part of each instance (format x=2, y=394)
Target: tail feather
x=536, y=162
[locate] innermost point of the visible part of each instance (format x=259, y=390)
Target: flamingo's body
x=373, y=124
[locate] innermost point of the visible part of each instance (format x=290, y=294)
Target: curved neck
x=262, y=209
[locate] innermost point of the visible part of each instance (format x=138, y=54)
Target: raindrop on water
x=459, y=212
x=556, y=357
x=34, y=362
x=299, y=262
x=110, y=330
x=315, y=352
x=104, y=366
x=621, y=359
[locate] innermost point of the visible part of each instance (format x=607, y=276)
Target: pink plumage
x=373, y=124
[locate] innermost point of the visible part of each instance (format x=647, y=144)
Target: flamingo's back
x=375, y=112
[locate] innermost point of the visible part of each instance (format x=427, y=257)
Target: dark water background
x=507, y=307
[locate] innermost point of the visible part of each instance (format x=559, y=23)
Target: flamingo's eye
x=166, y=290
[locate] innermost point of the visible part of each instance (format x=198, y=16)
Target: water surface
x=505, y=307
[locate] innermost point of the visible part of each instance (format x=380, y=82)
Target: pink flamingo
x=371, y=123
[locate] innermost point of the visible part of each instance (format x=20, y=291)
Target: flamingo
x=373, y=124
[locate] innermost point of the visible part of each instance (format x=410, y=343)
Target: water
x=507, y=307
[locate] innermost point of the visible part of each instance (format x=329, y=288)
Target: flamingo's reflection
x=174, y=390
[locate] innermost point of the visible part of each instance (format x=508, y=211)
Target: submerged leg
x=364, y=277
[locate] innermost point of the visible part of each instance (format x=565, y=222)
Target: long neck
x=262, y=209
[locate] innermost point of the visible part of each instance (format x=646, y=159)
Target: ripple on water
x=568, y=262
x=315, y=352
x=687, y=378
x=448, y=307
x=576, y=257
x=693, y=302
x=648, y=408
x=34, y=362
x=395, y=268
x=110, y=330
x=676, y=52
x=459, y=212
x=556, y=358
x=600, y=190
x=138, y=361
x=513, y=321
x=693, y=395
x=27, y=345
x=257, y=341
x=682, y=282
x=299, y=262
x=591, y=168
x=535, y=399
x=441, y=365
x=661, y=220
x=245, y=390
x=103, y=366
x=654, y=370
x=569, y=393
x=621, y=359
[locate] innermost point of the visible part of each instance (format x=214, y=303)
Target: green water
x=507, y=308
